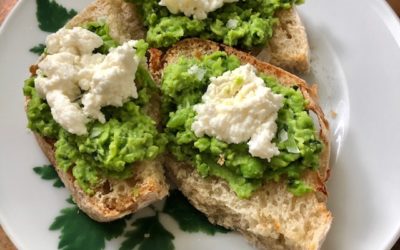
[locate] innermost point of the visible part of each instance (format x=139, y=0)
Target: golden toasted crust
x=114, y=199
x=272, y=218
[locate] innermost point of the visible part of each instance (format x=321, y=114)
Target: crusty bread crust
x=114, y=198
x=273, y=218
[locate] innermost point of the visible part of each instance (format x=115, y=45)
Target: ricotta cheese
x=237, y=107
x=196, y=8
x=77, y=83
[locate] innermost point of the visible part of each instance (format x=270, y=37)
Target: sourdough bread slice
x=115, y=198
x=273, y=218
x=121, y=17
x=288, y=47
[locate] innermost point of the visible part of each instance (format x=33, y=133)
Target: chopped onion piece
x=232, y=24
x=283, y=136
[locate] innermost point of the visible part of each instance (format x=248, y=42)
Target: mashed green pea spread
x=298, y=145
x=244, y=23
x=110, y=148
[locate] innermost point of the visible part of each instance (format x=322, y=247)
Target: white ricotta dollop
x=237, y=107
x=196, y=8
x=71, y=76
x=71, y=40
x=66, y=113
x=110, y=82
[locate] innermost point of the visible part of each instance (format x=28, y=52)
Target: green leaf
x=148, y=234
x=38, y=49
x=47, y=172
x=78, y=231
x=188, y=218
x=51, y=15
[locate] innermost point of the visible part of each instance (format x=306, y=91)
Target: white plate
x=356, y=62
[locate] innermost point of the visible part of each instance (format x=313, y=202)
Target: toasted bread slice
x=121, y=17
x=115, y=198
x=273, y=218
x=288, y=47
